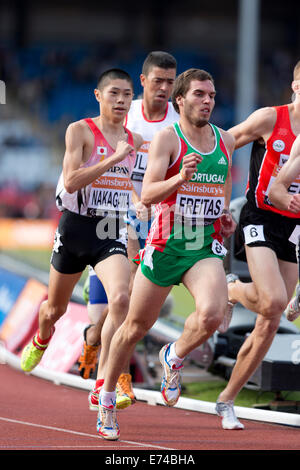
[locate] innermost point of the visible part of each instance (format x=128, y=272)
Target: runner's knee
x=136, y=331
x=274, y=305
x=119, y=302
x=52, y=312
x=209, y=319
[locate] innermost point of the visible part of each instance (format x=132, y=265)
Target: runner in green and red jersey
x=188, y=178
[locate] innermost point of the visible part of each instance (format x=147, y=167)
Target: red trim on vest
x=282, y=135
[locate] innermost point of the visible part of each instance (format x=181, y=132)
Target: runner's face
x=199, y=102
x=296, y=86
x=158, y=85
x=115, y=99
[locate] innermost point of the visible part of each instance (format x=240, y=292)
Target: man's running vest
x=266, y=162
x=197, y=204
x=111, y=192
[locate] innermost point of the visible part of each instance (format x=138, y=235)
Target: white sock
x=173, y=358
x=107, y=399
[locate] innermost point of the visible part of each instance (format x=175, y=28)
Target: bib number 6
x=254, y=233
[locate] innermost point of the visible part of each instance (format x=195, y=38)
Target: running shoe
x=107, y=426
x=89, y=357
x=223, y=327
x=32, y=355
x=124, y=387
x=122, y=400
x=226, y=411
x=292, y=311
x=93, y=399
x=170, y=385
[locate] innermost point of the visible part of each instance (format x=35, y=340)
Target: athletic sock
x=107, y=399
x=42, y=343
x=173, y=359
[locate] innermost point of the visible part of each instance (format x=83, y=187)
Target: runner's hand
x=122, y=150
x=228, y=225
x=142, y=212
x=294, y=204
x=189, y=165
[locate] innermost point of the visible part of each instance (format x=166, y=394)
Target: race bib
x=254, y=233
x=200, y=201
x=218, y=248
x=110, y=193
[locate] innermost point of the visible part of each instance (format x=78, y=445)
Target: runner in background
x=94, y=193
x=265, y=240
x=284, y=195
x=146, y=117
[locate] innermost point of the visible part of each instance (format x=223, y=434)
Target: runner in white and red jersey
x=93, y=192
x=146, y=117
x=267, y=234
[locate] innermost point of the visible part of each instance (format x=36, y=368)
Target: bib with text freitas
x=201, y=200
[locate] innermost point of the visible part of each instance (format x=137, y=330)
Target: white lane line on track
x=78, y=433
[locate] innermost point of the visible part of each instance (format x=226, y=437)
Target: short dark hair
x=113, y=74
x=182, y=83
x=296, y=72
x=161, y=59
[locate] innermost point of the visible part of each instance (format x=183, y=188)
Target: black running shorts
x=257, y=227
x=79, y=242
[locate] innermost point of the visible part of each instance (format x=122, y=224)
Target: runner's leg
x=146, y=301
x=271, y=297
x=59, y=293
x=203, y=280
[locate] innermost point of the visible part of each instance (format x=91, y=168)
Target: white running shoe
x=223, y=327
x=292, y=311
x=170, y=385
x=107, y=425
x=226, y=411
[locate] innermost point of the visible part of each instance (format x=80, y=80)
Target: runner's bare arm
x=228, y=225
x=76, y=177
x=138, y=141
x=290, y=171
x=229, y=142
x=258, y=125
x=163, y=148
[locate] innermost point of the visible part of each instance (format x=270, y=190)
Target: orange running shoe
x=89, y=357
x=124, y=387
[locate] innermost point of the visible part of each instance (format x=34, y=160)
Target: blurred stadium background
x=51, y=54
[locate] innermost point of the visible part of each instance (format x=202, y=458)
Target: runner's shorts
x=167, y=269
x=97, y=294
x=257, y=227
x=77, y=244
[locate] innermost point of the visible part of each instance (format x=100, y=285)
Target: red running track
x=38, y=415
